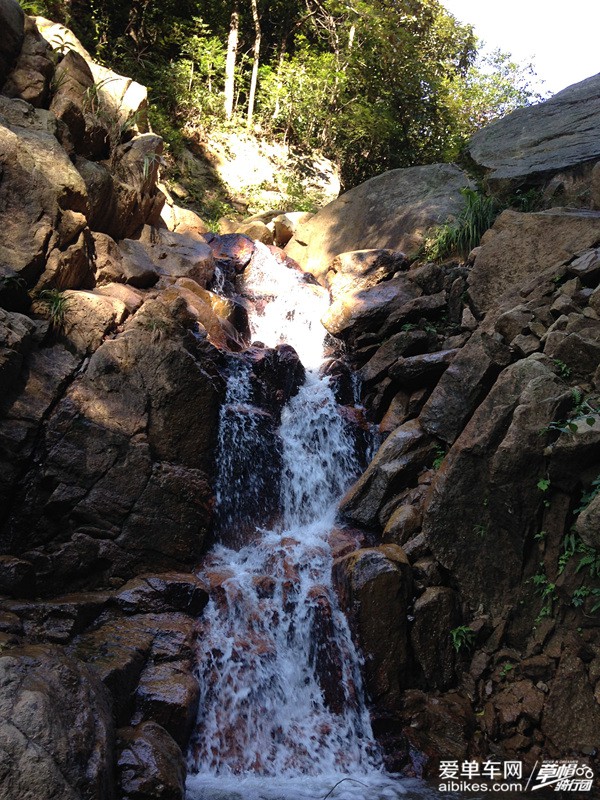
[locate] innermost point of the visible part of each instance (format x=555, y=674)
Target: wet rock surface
x=471, y=577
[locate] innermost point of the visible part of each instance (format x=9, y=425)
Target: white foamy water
x=282, y=714
x=287, y=309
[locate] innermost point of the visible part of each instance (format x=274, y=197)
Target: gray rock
x=56, y=730
x=532, y=144
x=392, y=211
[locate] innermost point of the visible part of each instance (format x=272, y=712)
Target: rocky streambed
x=152, y=408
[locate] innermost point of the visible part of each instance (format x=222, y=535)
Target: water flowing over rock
x=279, y=673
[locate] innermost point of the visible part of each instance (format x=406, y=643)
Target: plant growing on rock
x=547, y=591
x=460, y=237
x=56, y=303
x=463, y=638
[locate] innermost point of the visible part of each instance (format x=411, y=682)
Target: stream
x=283, y=714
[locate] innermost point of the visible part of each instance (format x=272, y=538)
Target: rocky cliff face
x=475, y=593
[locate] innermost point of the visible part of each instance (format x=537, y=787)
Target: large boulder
x=376, y=589
x=32, y=73
x=520, y=246
x=56, y=729
x=44, y=195
x=392, y=211
x=120, y=97
x=555, y=139
x=12, y=23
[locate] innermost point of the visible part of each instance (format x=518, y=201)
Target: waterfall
x=282, y=713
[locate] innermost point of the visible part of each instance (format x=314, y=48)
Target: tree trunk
x=232, y=45
x=254, y=79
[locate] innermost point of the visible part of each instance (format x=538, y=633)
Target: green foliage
x=480, y=530
x=547, y=591
x=506, y=669
x=579, y=596
x=583, y=409
x=376, y=84
x=543, y=484
x=494, y=85
x=440, y=455
x=588, y=496
x=526, y=201
x=460, y=237
x=463, y=638
x=563, y=370
x=56, y=304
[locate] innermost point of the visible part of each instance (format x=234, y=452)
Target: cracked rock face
x=548, y=144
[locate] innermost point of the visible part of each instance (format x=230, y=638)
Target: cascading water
x=282, y=713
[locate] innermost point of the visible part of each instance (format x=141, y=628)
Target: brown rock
x=284, y=225
x=578, y=346
x=463, y=386
x=256, y=230
x=168, y=591
x=137, y=200
x=404, y=522
x=520, y=246
x=168, y=693
x=436, y=614
x=571, y=715
x=73, y=103
x=39, y=183
x=69, y=269
x=124, y=484
x=396, y=414
x=440, y=726
x=368, y=309
x=89, y=318
x=376, y=586
x=183, y=220
x=131, y=298
x=150, y=764
x=30, y=78
x=396, y=463
x=232, y=249
x=12, y=21
x=415, y=371
x=403, y=344
x=392, y=211
x=100, y=186
x=501, y=442
x=178, y=256
x=362, y=269
x=587, y=524
x=138, y=267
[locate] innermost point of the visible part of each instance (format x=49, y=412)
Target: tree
x=232, y=46
x=255, y=62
